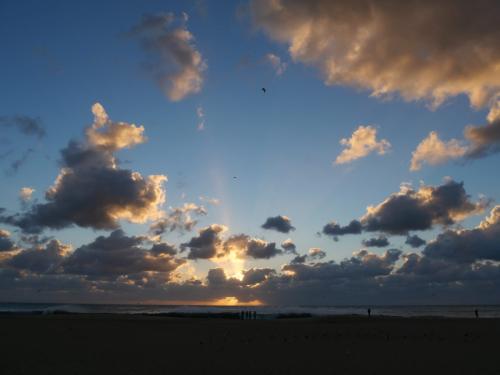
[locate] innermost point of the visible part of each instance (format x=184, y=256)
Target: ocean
x=263, y=312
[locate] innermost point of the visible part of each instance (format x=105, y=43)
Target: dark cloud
x=178, y=219
x=363, y=264
x=31, y=126
x=257, y=275
x=289, y=246
x=91, y=190
x=119, y=254
x=415, y=241
x=208, y=243
x=481, y=243
x=299, y=259
x=421, y=209
x=316, y=253
x=6, y=244
x=278, y=223
x=175, y=63
x=246, y=246
x=40, y=259
x=333, y=229
x=485, y=139
x=380, y=241
x=18, y=163
x=163, y=248
x=260, y=249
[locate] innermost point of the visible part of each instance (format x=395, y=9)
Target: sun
x=232, y=264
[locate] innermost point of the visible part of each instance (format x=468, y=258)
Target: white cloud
x=426, y=49
x=201, y=118
x=362, y=142
x=275, y=61
x=434, y=151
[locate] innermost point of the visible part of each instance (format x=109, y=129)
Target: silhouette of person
x=476, y=313
x=369, y=312
x=254, y=315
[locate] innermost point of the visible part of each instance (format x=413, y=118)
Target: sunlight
x=233, y=301
x=232, y=263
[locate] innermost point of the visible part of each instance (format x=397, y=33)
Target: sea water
x=453, y=311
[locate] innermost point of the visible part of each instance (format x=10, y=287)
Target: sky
x=251, y=152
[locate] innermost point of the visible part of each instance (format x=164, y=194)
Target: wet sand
x=110, y=344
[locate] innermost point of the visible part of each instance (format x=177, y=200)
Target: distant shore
x=140, y=344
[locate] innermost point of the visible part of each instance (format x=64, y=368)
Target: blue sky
x=62, y=57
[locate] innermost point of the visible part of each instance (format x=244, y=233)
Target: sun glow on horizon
x=233, y=301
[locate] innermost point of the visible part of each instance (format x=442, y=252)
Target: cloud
x=112, y=136
x=255, y=276
x=449, y=48
x=91, y=190
x=175, y=62
x=26, y=193
x=315, y=253
x=208, y=243
x=212, y=201
x=41, y=259
x=415, y=241
x=289, y=246
x=276, y=63
x=200, y=113
x=246, y=246
x=6, y=244
x=485, y=139
x=421, y=209
x=380, y=241
x=452, y=269
x=333, y=229
x=480, y=141
x=260, y=249
x=361, y=265
x=434, y=151
x=119, y=254
x=469, y=245
x=362, y=143
x=30, y=126
x=278, y=223
x=178, y=219
x=18, y=163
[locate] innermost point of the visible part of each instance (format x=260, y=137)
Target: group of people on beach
x=248, y=315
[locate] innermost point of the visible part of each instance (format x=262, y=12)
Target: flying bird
x=264, y=90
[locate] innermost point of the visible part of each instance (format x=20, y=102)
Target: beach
x=137, y=344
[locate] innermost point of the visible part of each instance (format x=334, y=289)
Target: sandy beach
x=111, y=344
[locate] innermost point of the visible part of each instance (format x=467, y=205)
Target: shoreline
x=236, y=316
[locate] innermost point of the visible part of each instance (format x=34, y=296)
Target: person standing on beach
x=476, y=312
x=369, y=312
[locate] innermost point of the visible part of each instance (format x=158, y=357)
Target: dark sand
x=91, y=344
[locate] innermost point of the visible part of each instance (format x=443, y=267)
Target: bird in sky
x=264, y=90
